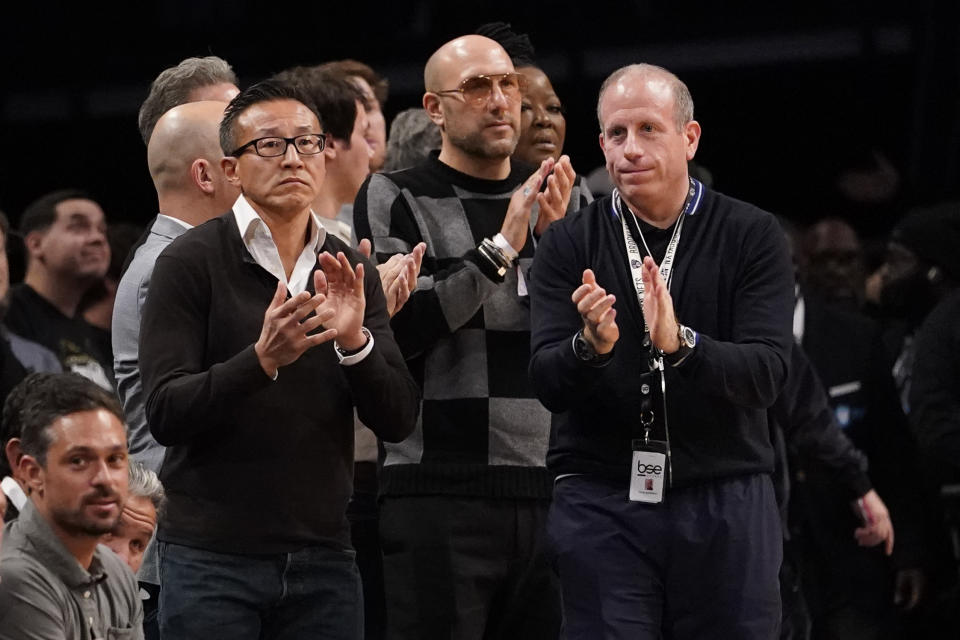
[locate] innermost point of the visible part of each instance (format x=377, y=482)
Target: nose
x=541, y=118
x=498, y=98
x=103, y=475
x=632, y=148
x=109, y=476
x=291, y=157
x=124, y=553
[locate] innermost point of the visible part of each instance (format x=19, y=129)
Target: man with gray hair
x=184, y=160
x=193, y=80
x=663, y=522
x=138, y=520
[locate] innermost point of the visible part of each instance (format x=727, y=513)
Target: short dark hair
x=332, y=95
x=41, y=398
x=10, y=425
x=42, y=212
x=349, y=67
x=173, y=86
x=264, y=91
x=517, y=45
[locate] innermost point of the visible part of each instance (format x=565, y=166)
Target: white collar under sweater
x=259, y=242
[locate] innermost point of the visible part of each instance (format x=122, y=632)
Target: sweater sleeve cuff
x=354, y=358
x=859, y=485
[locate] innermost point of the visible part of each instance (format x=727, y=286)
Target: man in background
x=193, y=80
x=65, y=237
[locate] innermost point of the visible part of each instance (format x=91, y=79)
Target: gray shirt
x=131, y=294
x=127, y=309
x=46, y=594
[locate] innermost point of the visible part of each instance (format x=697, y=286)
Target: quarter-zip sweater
x=255, y=465
x=732, y=283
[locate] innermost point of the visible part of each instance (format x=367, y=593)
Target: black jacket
x=732, y=283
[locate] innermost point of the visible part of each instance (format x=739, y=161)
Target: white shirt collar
x=14, y=492
x=176, y=220
x=259, y=242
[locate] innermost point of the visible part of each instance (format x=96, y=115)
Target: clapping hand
x=398, y=275
x=658, y=309
x=284, y=336
x=555, y=198
x=343, y=299
x=599, y=317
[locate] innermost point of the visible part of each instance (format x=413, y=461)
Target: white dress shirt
x=259, y=242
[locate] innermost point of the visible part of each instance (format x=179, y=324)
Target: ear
x=330, y=149
x=33, y=242
x=13, y=452
x=231, y=170
x=431, y=104
x=202, y=176
x=692, y=134
x=32, y=473
x=602, y=147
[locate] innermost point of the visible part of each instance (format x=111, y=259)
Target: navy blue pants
x=703, y=564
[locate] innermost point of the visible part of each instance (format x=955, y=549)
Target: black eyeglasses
x=309, y=144
x=477, y=89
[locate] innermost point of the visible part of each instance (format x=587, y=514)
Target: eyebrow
x=88, y=450
x=275, y=131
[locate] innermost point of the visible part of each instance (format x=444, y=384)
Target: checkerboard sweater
x=465, y=334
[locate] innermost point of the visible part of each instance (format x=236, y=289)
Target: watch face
x=583, y=349
x=689, y=337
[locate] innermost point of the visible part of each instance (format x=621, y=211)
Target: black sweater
x=732, y=283
x=255, y=465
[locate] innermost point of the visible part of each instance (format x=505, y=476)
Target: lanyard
x=633, y=251
x=666, y=271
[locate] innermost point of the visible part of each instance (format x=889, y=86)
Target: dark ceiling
x=805, y=110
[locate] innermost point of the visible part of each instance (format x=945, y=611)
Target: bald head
x=462, y=58
x=182, y=135
x=657, y=79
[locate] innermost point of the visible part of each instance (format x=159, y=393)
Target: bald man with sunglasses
x=466, y=496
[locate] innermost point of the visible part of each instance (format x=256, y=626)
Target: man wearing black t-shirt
x=66, y=244
x=664, y=520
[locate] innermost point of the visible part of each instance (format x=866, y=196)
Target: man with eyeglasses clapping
x=260, y=333
x=464, y=499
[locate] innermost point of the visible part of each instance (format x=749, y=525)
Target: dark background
x=790, y=97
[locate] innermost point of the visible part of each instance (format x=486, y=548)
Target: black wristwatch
x=586, y=353
x=688, y=340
